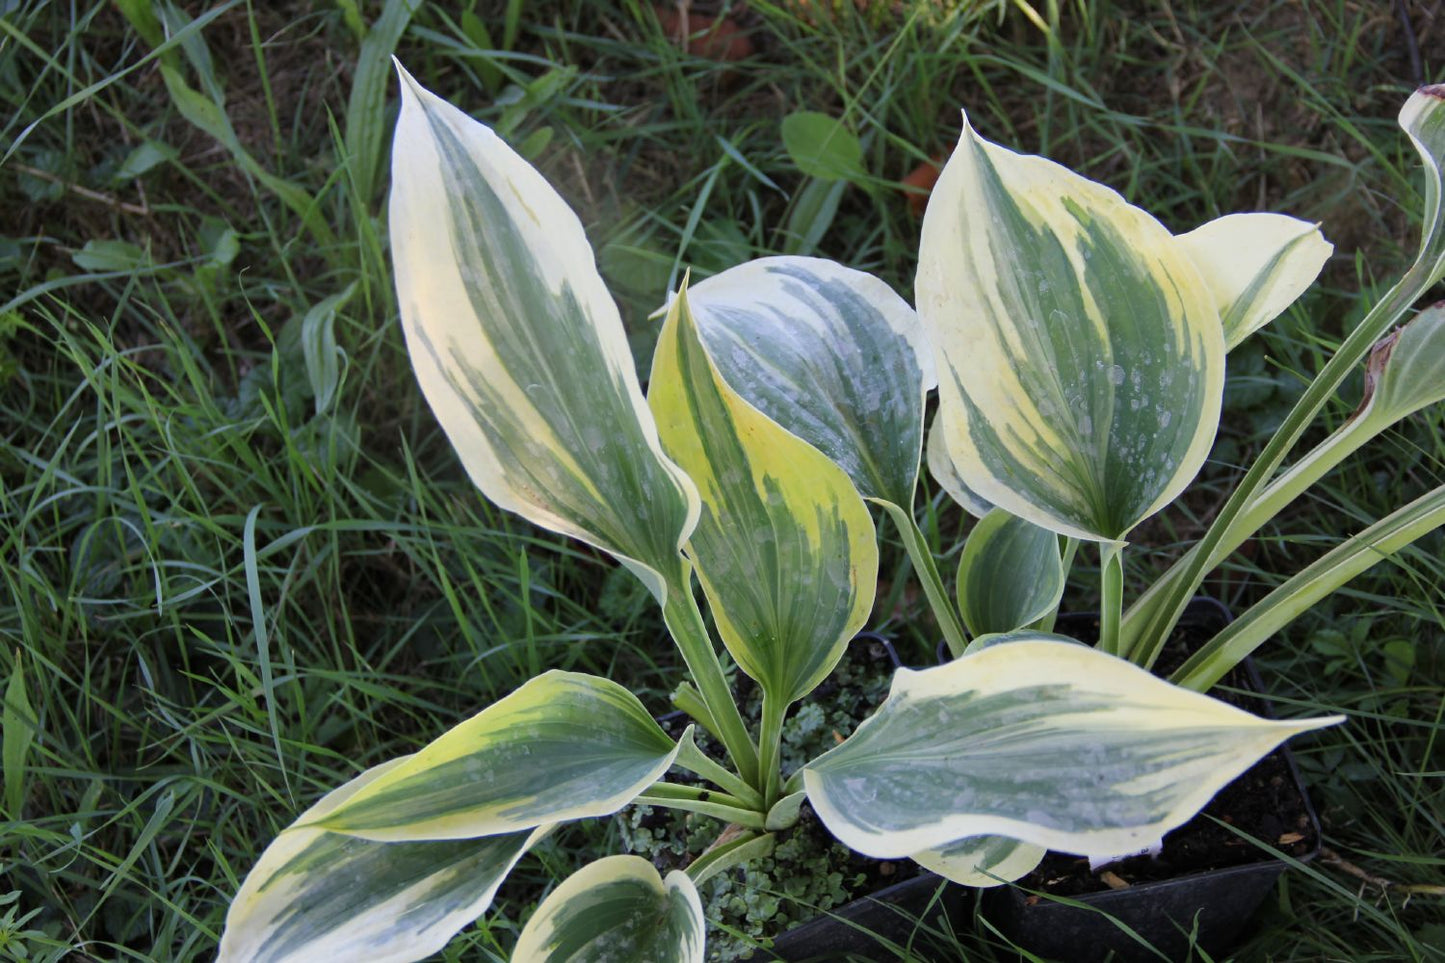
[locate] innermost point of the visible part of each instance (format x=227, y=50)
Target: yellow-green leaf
x=563, y=746
x=1038, y=739
x=785, y=548
x=617, y=908
x=315, y=895
x=518, y=346
x=1255, y=266
x=1081, y=357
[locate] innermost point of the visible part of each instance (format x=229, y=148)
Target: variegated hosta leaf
x=1011, y=574
x=1050, y=742
x=563, y=746
x=315, y=895
x=1423, y=119
x=620, y=909
x=518, y=346
x=1406, y=372
x=831, y=354
x=785, y=548
x=1255, y=265
x=1081, y=358
x=940, y=466
x=982, y=861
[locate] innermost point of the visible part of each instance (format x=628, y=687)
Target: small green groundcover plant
x=1078, y=348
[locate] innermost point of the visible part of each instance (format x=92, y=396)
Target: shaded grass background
x=222, y=598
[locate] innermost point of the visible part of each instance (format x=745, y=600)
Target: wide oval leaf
x=1010, y=574
x=982, y=861
x=519, y=348
x=563, y=746
x=315, y=895
x=1046, y=741
x=617, y=908
x=822, y=146
x=1081, y=357
x=1255, y=266
x=785, y=548
x=832, y=354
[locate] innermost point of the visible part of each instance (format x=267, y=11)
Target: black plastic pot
x=1213, y=906
x=892, y=914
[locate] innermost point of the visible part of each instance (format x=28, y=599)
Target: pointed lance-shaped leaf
x=563, y=746
x=1423, y=119
x=982, y=861
x=1046, y=741
x=832, y=354
x=1081, y=358
x=1255, y=266
x=519, y=348
x=617, y=908
x=785, y=548
x=1010, y=574
x=315, y=895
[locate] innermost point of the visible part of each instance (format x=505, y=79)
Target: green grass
x=221, y=602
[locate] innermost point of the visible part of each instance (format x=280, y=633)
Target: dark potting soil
x=808, y=865
x=1264, y=803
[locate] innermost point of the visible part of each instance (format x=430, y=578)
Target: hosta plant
x=1078, y=348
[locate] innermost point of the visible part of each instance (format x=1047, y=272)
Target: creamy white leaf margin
x=1255, y=265
x=1081, y=356
x=618, y=908
x=520, y=349
x=1046, y=741
x=941, y=467
x=315, y=895
x=982, y=861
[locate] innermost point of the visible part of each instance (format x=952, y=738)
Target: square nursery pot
x=1213, y=905
x=892, y=913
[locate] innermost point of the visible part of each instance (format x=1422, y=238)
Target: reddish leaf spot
x=919, y=183
x=716, y=38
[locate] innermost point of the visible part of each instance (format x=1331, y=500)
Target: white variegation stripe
x=563, y=746
x=982, y=861
x=1010, y=574
x=1046, y=741
x=785, y=548
x=940, y=466
x=1255, y=265
x=617, y=908
x=832, y=354
x=518, y=346
x=1423, y=120
x=1081, y=361
x=315, y=895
